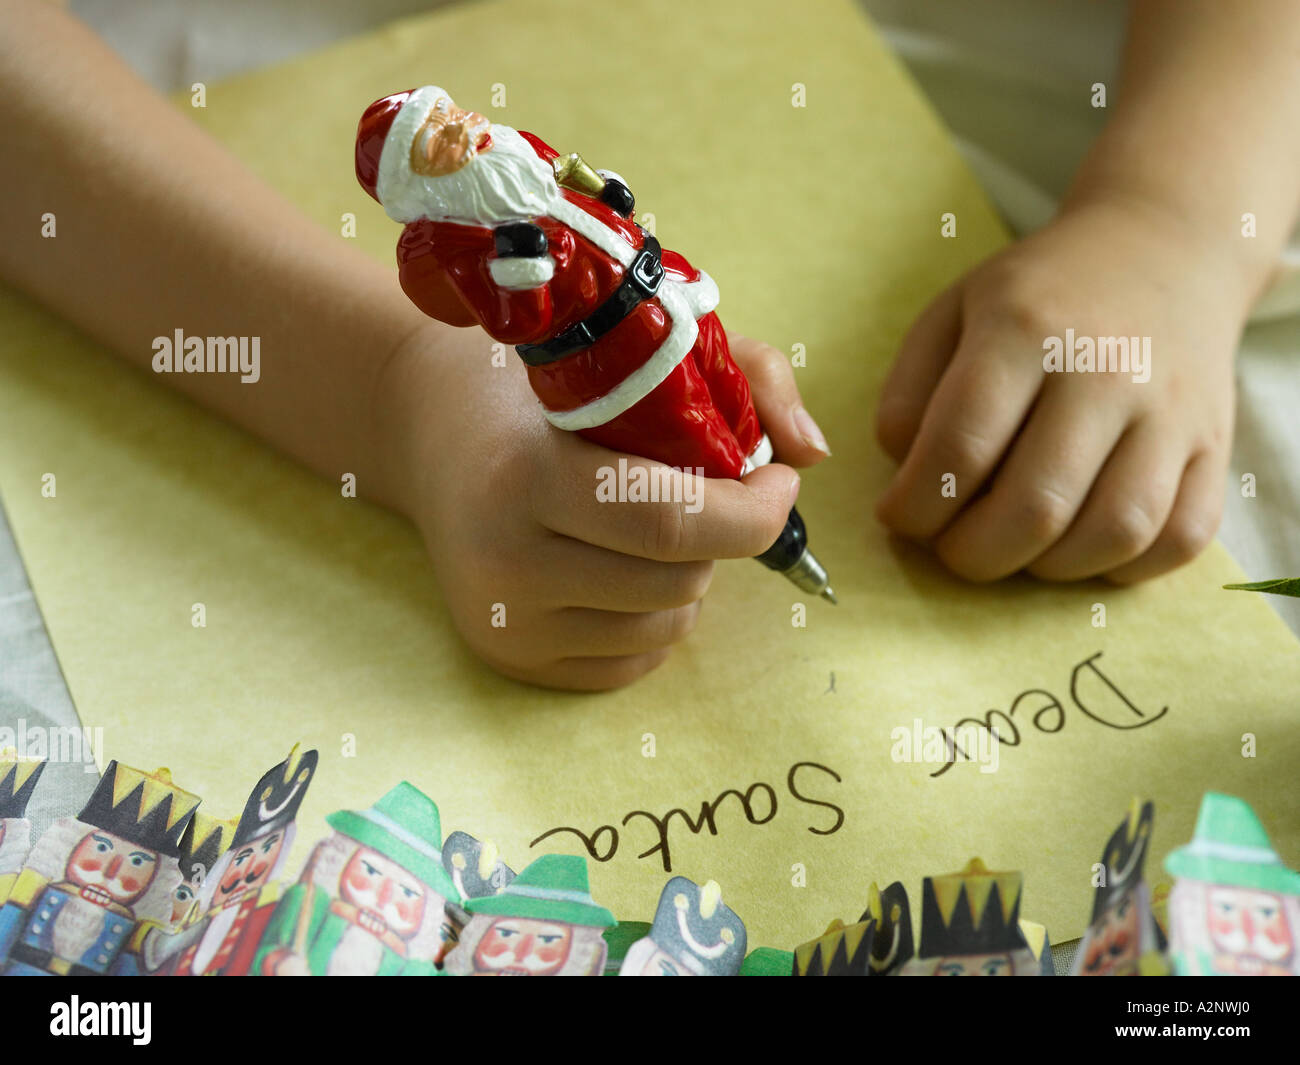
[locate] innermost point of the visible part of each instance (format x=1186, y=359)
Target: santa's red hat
x=383, y=153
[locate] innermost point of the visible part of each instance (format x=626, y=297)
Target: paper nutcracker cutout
x=1122, y=929
x=205, y=840
x=18, y=777
x=240, y=890
x=694, y=934
x=970, y=926
x=877, y=944
x=545, y=923
x=619, y=940
x=90, y=881
x=618, y=335
x=842, y=950
x=1235, y=908
x=767, y=961
x=475, y=867
x=891, y=946
x=371, y=901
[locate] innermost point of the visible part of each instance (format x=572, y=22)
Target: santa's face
x=1250, y=925
x=251, y=866
x=1113, y=945
x=109, y=869
x=448, y=139
x=975, y=965
x=389, y=898
x=521, y=946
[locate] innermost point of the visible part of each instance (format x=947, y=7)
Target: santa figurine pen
x=619, y=336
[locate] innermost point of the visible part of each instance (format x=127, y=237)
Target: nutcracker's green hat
x=404, y=826
x=1231, y=847
x=553, y=888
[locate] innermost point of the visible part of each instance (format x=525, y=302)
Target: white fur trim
x=395, y=159
x=701, y=296
x=608, y=240
x=760, y=456
x=522, y=273
x=678, y=300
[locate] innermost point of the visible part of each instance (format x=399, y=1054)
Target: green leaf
x=1279, y=586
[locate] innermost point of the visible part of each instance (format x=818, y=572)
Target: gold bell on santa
x=572, y=173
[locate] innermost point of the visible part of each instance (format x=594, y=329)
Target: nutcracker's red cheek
x=90, y=865
x=410, y=909
x=1223, y=926
x=551, y=953
x=130, y=884
x=357, y=880
x=493, y=948
x=1277, y=932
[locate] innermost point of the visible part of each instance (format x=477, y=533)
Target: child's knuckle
x=664, y=532
x=1043, y=512
x=1133, y=527
x=1187, y=535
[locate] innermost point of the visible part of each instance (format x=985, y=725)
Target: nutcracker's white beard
x=506, y=183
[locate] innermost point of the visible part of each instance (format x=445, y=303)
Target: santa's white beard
x=506, y=183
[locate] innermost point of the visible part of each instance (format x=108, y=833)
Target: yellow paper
x=821, y=225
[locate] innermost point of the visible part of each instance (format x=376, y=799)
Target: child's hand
x=1069, y=474
x=592, y=594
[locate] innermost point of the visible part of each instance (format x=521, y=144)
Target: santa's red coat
x=699, y=416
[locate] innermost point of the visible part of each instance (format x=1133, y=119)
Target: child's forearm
x=1207, y=127
x=158, y=228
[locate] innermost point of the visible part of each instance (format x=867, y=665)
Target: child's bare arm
x=158, y=228
x=1076, y=474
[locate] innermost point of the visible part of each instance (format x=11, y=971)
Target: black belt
x=640, y=283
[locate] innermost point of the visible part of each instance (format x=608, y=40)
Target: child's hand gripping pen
x=619, y=336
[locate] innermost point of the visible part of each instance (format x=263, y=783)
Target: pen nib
x=828, y=594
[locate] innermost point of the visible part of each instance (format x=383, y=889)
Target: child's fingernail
x=794, y=489
x=812, y=435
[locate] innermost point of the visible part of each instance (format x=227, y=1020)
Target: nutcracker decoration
x=205, y=840
x=1235, y=908
x=544, y=923
x=1123, y=938
x=970, y=926
x=877, y=945
x=92, y=881
x=694, y=934
x=372, y=900
x=240, y=890
x=18, y=777
x=619, y=335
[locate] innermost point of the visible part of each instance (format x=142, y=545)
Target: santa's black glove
x=519, y=240
x=618, y=196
